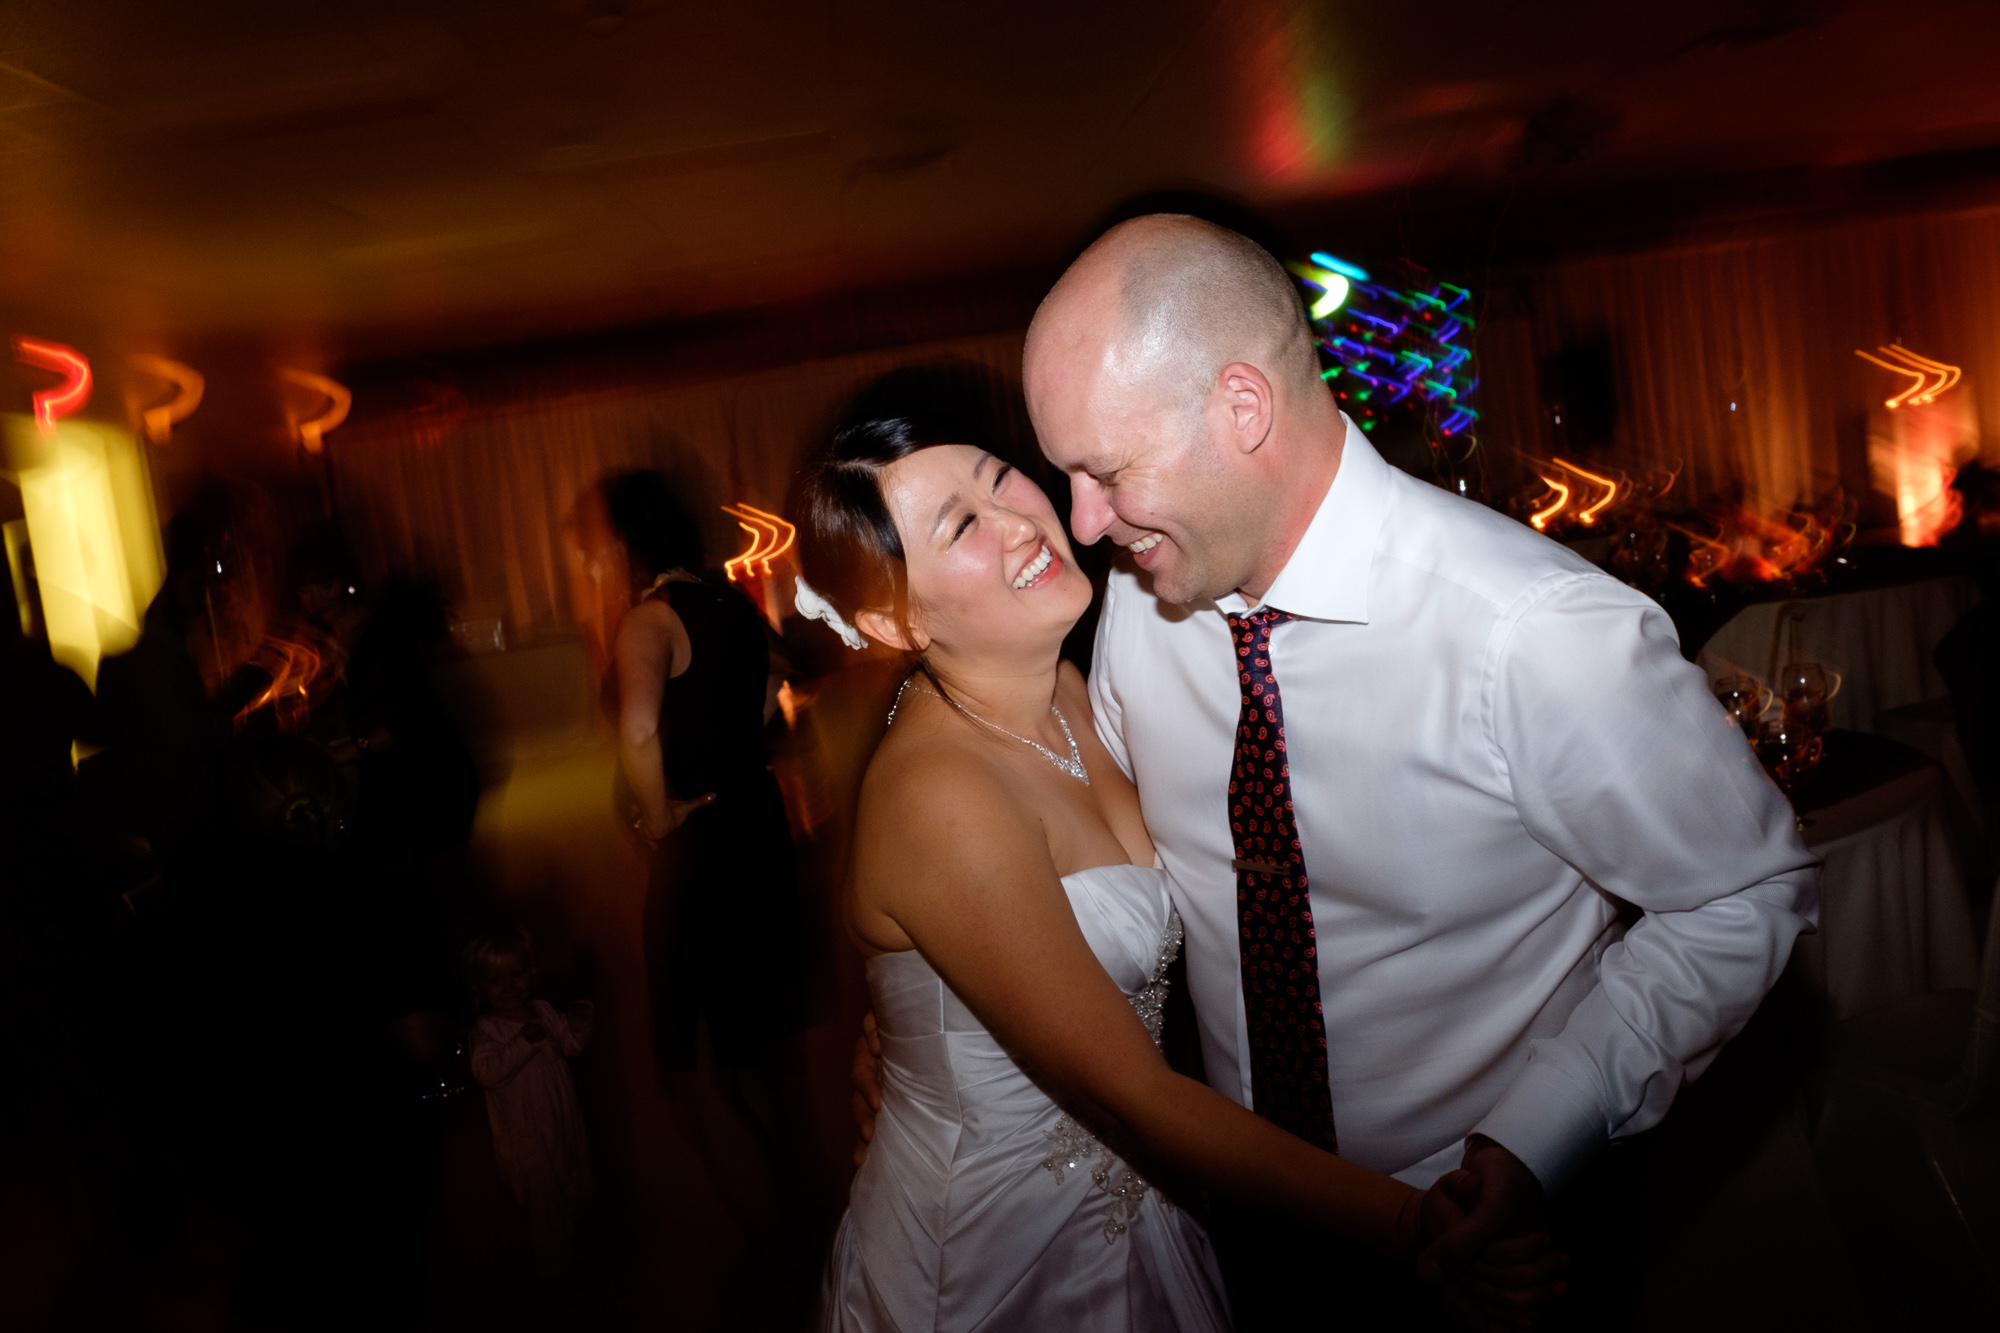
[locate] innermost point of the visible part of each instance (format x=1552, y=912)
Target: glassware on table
x=1789, y=750
x=1744, y=698
x=1805, y=688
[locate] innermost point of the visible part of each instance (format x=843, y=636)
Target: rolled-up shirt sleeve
x=1622, y=764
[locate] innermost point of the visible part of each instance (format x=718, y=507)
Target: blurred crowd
x=256, y=975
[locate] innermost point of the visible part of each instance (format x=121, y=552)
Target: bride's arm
x=952, y=858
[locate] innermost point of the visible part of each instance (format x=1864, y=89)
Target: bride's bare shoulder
x=926, y=766
x=937, y=820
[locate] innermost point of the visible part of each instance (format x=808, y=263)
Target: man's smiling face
x=1144, y=470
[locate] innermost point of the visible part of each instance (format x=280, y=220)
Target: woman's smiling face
x=989, y=567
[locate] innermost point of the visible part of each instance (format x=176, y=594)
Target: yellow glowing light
x=770, y=537
x=16, y=536
x=312, y=433
x=92, y=533
x=1333, y=288
x=158, y=420
x=1920, y=369
x=1588, y=516
x=1541, y=517
x=51, y=405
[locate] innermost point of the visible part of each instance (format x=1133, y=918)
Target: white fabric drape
x=1879, y=640
x=1894, y=917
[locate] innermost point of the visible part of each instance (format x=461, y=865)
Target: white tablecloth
x=1880, y=641
x=1894, y=917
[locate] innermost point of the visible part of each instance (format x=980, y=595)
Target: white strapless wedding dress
x=980, y=1204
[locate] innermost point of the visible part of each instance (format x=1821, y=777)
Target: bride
x=1018, y=935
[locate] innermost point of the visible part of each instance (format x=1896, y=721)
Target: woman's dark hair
x=659, y=531
x=852, y=553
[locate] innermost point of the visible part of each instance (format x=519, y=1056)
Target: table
x=1895, y=919
x=1880, y=640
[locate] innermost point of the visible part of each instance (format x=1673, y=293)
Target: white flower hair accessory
x=815, y=607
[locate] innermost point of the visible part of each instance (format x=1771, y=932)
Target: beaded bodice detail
x=1074, y=1147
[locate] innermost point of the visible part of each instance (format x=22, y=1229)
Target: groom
x=1402, y=757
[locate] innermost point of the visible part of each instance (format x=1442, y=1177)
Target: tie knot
x=1256, y=626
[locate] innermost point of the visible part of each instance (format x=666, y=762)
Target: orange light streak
x=312, y=434
x=53, y=404
x=770, y=537
x=1947, y=375
x=1588, y=516
x=296, y=666
x=1920, y=369
x=158, y=422
x=1541, y=518
x=1750, y=548
x=1673, y=475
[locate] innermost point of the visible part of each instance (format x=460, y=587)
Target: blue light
x=1340, y=266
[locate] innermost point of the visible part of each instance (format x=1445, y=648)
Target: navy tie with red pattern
x=1288, y=1078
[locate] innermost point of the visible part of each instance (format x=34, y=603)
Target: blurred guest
x=691, y=690
x=168, y=735
x=518, y=1048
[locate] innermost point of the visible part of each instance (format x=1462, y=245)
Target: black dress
x=724, y=940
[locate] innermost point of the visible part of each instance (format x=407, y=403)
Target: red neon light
x=53, y=404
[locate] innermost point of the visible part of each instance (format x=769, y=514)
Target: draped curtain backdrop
x=483, y=506
x=1769, y=322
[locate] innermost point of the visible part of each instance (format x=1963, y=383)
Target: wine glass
x=1790, y=751
x=1805, y=688
x=1745, y=700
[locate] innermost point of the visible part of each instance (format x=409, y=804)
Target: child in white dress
x=519, y=1047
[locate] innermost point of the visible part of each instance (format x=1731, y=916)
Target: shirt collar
x=1327, y=576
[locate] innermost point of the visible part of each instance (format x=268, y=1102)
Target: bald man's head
x=1140, y=367
x=1188, y=297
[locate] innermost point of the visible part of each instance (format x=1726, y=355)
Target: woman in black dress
x=693, y=691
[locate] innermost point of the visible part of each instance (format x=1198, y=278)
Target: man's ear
x=1246, y=403
x=882, y=627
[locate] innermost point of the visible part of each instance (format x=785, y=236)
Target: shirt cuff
x=1549, y=1121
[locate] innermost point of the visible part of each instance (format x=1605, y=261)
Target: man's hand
x=867, y=1075
x=532, y=1032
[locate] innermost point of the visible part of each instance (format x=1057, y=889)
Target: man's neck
x=1309, y=476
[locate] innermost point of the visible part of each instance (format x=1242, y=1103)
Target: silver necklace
x=1070, y=767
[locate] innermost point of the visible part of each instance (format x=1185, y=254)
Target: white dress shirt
x=1489, y=740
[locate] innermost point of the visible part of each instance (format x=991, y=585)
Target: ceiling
x=390, y=176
